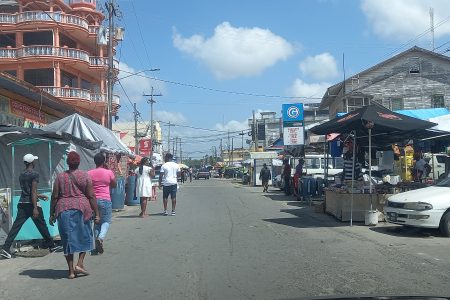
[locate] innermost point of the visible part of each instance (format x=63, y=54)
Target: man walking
x=265, y=176
x=168, y=181
x=28, y=207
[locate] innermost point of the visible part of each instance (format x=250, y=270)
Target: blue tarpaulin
x=423, y=113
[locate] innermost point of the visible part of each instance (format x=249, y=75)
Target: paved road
x=233, y=242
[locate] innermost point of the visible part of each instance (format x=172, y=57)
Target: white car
x=428, y=207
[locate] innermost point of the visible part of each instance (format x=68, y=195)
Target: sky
x=220, y=60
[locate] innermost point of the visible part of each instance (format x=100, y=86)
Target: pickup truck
x=203, y=174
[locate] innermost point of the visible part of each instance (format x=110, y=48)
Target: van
x=437, y=163
x=315, y=166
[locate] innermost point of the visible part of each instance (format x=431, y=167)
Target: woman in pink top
x=102, y=180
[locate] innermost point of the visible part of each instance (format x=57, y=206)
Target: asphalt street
x=229, y=241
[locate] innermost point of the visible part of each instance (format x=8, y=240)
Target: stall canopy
x=85, y=129
x=385, y=122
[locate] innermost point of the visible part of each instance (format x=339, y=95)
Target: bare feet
x=81, y=270
x=71, y=276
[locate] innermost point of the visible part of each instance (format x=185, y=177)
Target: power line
x=218, y=90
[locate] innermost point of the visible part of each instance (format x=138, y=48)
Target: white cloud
x=232, y=125
x=135, y=86
x=304, y=90
x=236, y=51
x=405, y=19
x=169, y=116
x=320, y=67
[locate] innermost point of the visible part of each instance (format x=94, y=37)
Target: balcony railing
x=76, y=93
x=49, y=16
x=30, y=51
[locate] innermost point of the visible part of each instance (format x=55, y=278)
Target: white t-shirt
x=169, y=169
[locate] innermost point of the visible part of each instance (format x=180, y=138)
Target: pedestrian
x=265, y=176
x=168, y=181
x=154, y=184
x=420, y=169
x=144, y=184
x=103, y=180
x=190, y=174
x=73, y=204
x=298, y=175
x=27, y=207
x=182, y=176
x=287, y=177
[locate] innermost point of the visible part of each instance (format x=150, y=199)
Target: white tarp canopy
x=442, y=121
x=86, y=129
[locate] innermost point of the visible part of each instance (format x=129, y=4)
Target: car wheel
x=444, y=226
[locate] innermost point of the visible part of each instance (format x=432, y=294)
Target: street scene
x=230, y=241
x=224, y=149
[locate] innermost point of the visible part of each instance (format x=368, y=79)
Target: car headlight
x=418, y=206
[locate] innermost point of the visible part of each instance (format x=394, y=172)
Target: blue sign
x=293, y=112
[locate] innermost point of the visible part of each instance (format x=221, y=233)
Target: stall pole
x=370, y=167
x=50, y=165
x=353, y=178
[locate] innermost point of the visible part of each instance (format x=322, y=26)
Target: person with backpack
x=265, y=176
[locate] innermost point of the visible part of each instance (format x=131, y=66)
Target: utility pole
x=232, y=151
x=221, y=150
x=228, y=148
x=254, y=132
x=151, y=101
x=168, y=139
x=111, y=14
x=432, y=28
x=136, y=142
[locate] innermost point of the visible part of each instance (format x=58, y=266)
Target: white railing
x=8, y=53
x=8, y=19
x=98, y=61
x=69, y=92
x=29, y=16
x=28, y=51
x=93, y=29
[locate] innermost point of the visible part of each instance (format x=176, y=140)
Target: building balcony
x=70, y=93
x=60, y=52
x=41, y=16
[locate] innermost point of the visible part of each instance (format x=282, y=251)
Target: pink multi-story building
x=58, y=46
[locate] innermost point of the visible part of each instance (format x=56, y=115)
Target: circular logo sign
x=293, y=112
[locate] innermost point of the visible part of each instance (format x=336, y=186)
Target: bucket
x=371, y=218
x=118, y=194
x=131, y=186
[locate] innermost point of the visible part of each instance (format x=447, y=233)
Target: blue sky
x=283, y=49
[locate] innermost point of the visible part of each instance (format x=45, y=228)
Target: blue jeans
x=105, y=210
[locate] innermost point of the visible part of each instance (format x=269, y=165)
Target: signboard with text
x=145, y=147
x=293, y=136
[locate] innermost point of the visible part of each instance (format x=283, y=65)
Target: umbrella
x=183, y=166
x=372, y=120
x=384, y=121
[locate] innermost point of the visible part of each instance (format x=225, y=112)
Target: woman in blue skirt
x=73, y=204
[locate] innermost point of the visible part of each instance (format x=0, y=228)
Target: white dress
x=144, y=183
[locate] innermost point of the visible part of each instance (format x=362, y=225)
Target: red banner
x=23, y=110
x=145, y=147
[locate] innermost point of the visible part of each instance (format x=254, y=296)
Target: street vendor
x=28, y=207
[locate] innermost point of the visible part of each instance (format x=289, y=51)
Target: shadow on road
x=403, y=231
x=45, y=274
x=306, y=218
x=278, y=197
x=128, y=217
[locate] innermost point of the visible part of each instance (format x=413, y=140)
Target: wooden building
x=416, y=78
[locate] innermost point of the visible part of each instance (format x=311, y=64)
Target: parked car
x=437, y=164
x=203, y=173
x=428, y=207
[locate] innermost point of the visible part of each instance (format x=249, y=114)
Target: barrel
x=118, y=194
x=131, y=189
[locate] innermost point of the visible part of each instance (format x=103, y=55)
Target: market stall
x=116, y=152
x=365, y=127
x=51, y=148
